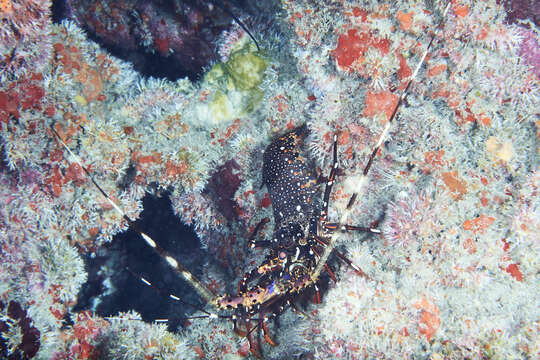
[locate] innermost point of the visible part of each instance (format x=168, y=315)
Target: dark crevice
x=161, y=38
x=115, y=289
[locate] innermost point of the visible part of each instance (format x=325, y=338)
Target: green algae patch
x=223, y=107
x=235, y=85
x=247, y=70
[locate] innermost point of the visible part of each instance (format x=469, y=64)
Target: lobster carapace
x=292, y=187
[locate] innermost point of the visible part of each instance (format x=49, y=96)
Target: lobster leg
x=342, y=257
x=266, y=332
x=237, y=330
x=330, y=182
x=260, y=244
x=254, y=347
x=297, y=310
x=252, y=243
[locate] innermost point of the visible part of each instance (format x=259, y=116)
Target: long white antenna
x=363, y=179
x=198, y=285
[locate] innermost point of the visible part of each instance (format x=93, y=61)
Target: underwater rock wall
x=454, y=190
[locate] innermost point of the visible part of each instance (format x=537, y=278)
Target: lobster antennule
x=206, y=294
x=237, y=20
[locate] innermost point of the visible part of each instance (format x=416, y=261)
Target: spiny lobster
x=302, y=240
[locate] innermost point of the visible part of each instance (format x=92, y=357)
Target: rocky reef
x=454, y=273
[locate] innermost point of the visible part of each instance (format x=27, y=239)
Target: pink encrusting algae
x=454, y=189
x=25, y=46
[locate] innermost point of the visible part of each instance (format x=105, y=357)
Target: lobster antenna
x=259, y=323
x=198, y=285
x=210, y=316
x=237, y=20
x=362, y=181
x=167, y=293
